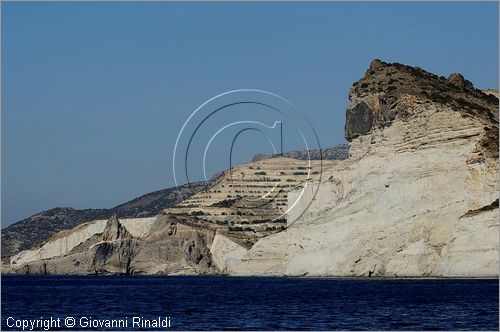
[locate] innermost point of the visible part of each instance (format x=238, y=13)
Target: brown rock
x=459, y=81
x=375, y=64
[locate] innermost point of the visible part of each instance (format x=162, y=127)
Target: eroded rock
x=418, y=197
x=359, y=121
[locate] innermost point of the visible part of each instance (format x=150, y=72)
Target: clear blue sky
x=94, y=94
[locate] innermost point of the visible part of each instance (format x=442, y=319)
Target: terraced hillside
x=249, y=201
x=20, y=236
x=417, y=197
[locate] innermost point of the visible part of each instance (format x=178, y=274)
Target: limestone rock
x=401, y=204
x=226, y=253
x=20, y=236
x=394, y=91
x=264, y=258
x=174, y=248
x=418, y=197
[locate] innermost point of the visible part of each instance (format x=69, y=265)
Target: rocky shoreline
x=415, y=199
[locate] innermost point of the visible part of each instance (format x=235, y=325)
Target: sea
x=246, y=303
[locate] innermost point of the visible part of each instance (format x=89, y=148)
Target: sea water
x=214, y=303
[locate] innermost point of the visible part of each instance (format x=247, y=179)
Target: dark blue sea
x=215, y=303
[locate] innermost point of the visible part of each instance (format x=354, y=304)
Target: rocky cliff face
x=417, y=197
x=154, y=245
x=20, y=236
x=242, y=206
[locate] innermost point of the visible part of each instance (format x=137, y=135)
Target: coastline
x=361, y=278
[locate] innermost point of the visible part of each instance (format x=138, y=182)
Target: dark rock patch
x=359, y=121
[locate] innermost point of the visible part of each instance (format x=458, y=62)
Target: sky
x=94, y=94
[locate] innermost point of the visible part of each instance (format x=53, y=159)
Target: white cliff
x=63, y=242
x=399, y=205
x=418, y=197
x=265, y=258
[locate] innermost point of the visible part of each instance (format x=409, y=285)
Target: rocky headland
x=417, y=197
x=38, y=228
x=419, y=194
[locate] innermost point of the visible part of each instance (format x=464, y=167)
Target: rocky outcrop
x=267, y=257
x=115, y=250
x=60, y=244
x=417, y=196
x=174, y=248
x=20, y=236
x=376, y=98
x=155, y=245
x=243, y=205
x=98, y=247
x=359, y=121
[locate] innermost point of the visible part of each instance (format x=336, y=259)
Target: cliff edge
x=417, y=197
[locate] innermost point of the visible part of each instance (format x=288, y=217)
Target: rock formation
x=248, y=202
x=20, y=236
x=419, y=194
x=242, y=206
x=337, y=152
x=127, y=246
x=418, y=197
